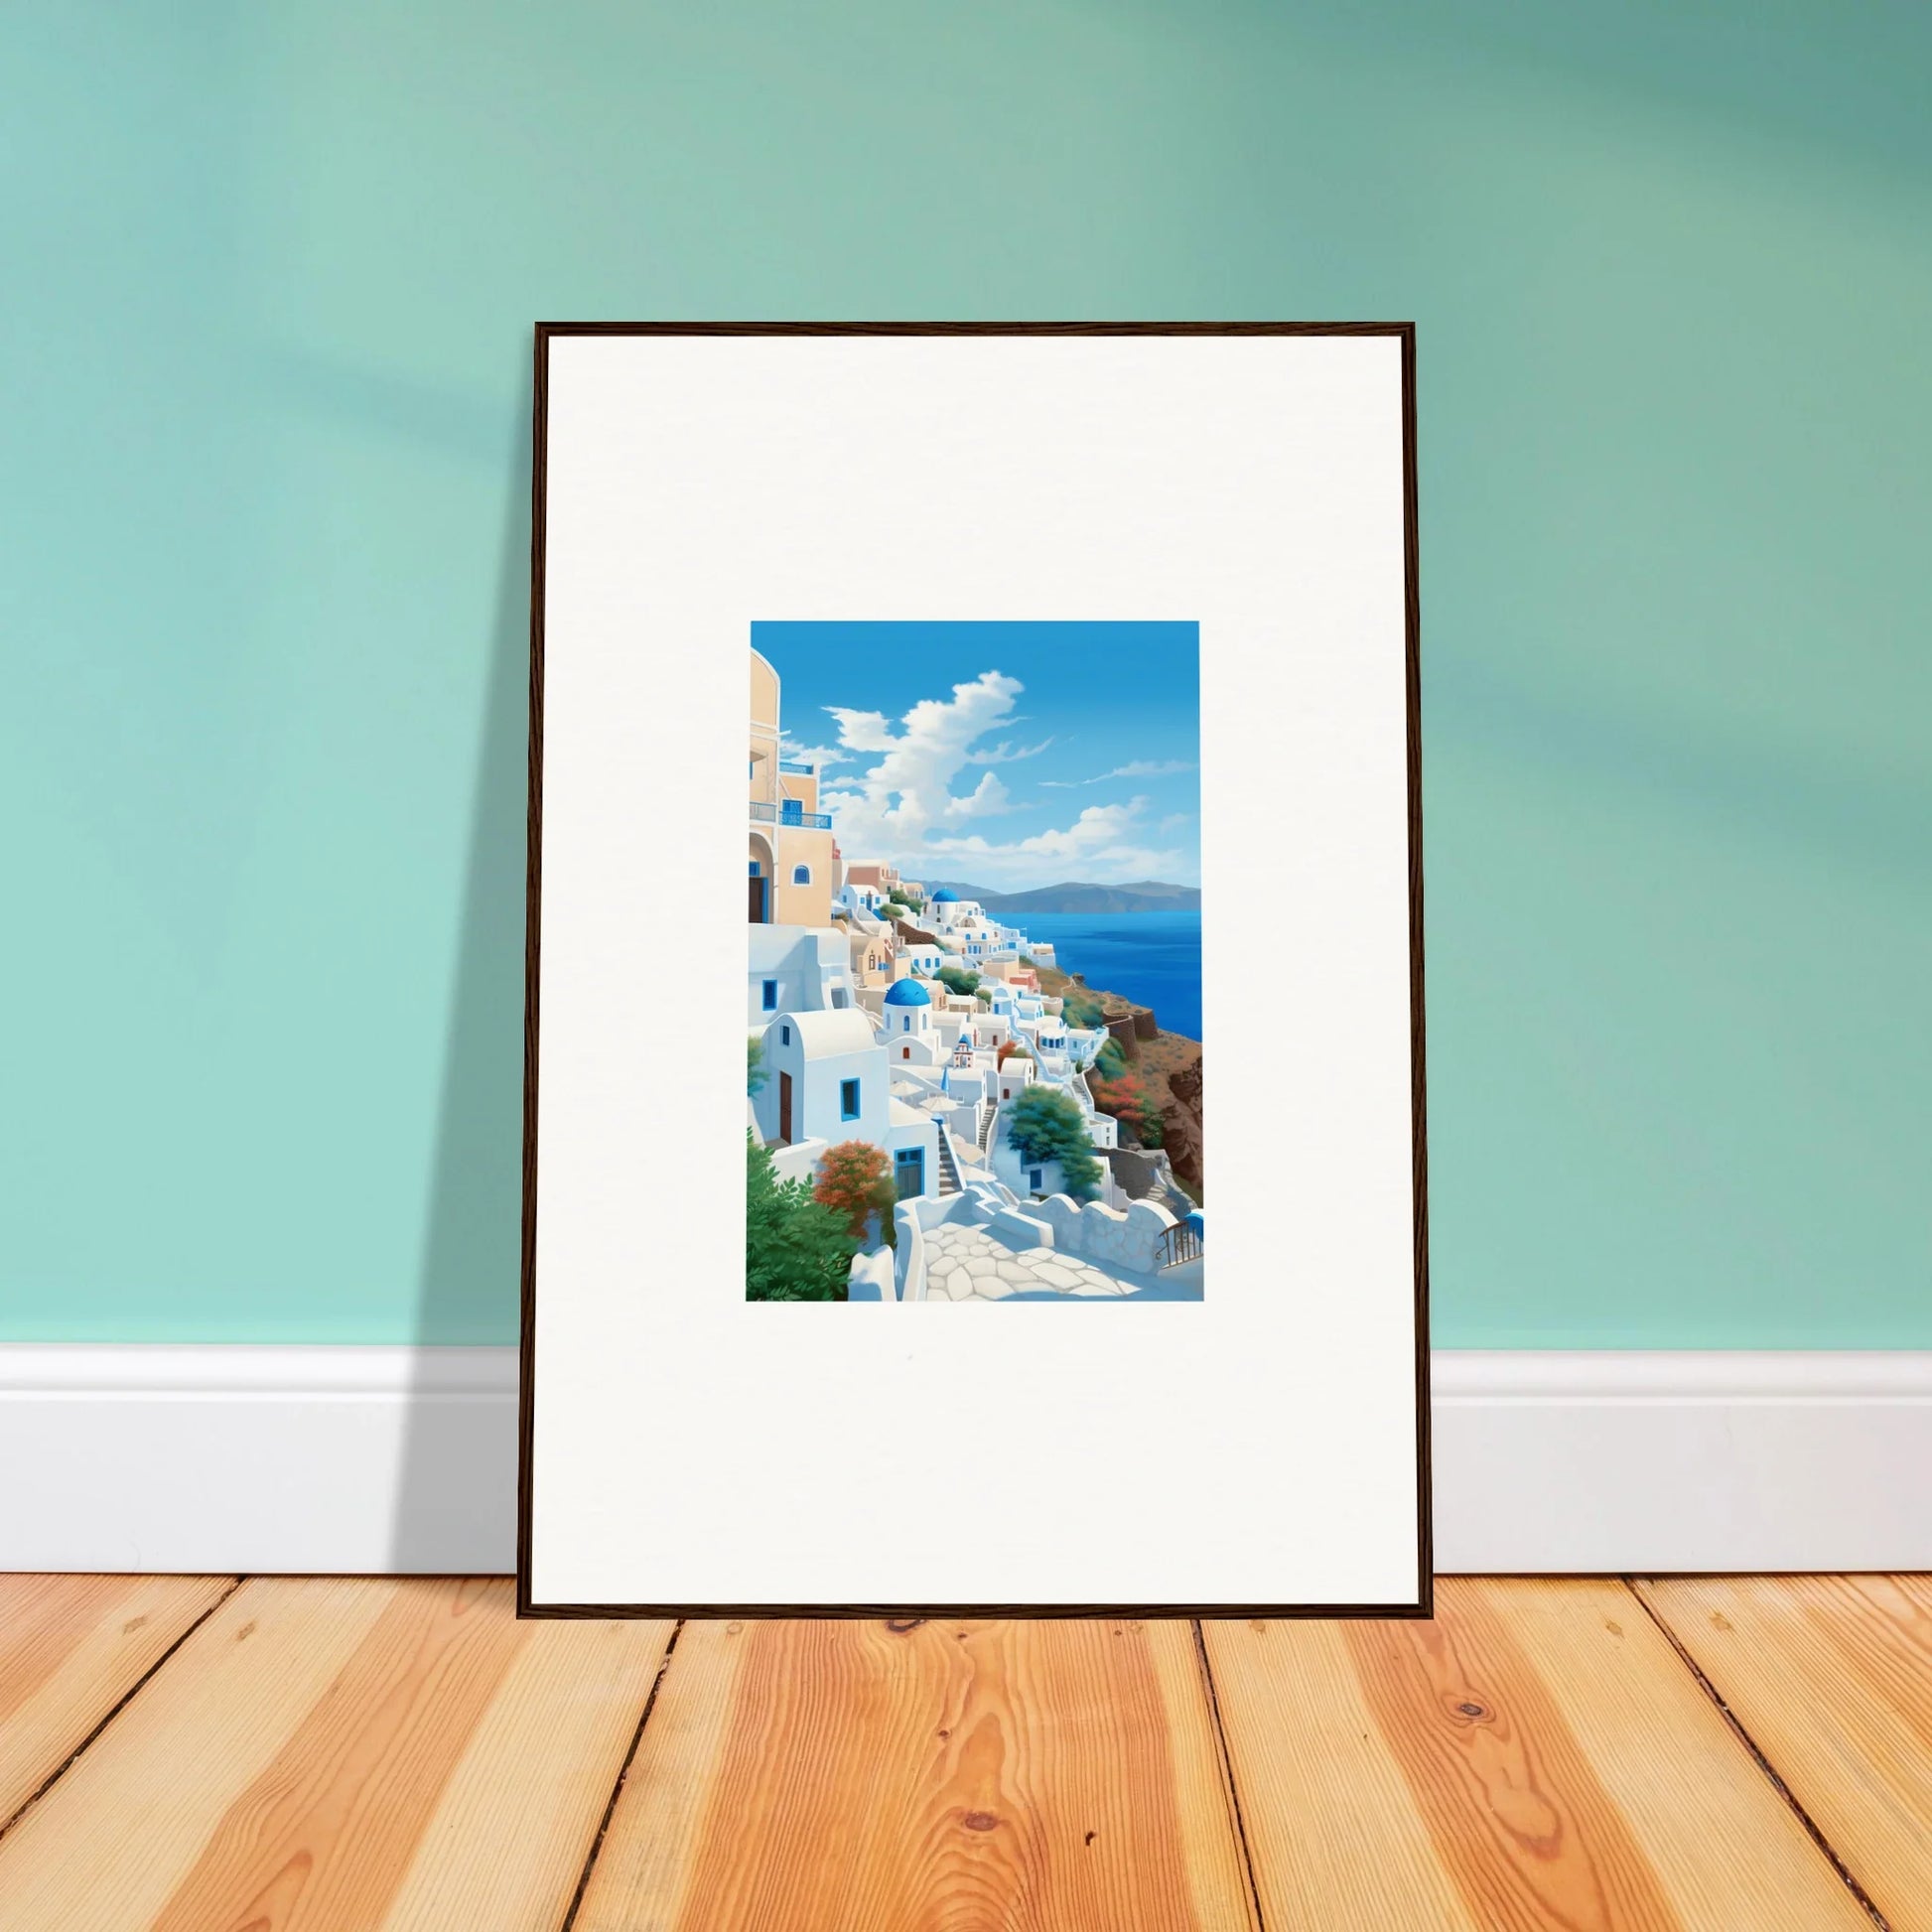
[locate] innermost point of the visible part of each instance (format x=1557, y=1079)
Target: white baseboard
x=1654, y=1461
x=296, y=1459
x=313, y=1459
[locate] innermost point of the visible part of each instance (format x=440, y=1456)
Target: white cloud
x=1003, y=754
x=898, y=801
x=894, y=806
x=1139, y=768
x=1101, y=846
x=861, y=730
x=819, y=756
x=1146, y=769
x=986, y=797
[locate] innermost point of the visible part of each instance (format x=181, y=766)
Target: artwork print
x=1076, y=670
x=974, y=1054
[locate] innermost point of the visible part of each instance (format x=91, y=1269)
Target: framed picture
x=1013, y=732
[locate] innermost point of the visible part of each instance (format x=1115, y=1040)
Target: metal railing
x=1178, y=1244
x=810, y=821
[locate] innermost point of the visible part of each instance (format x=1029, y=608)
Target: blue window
x=1033, y=1178
x=909, y=1172
x=771, y=999
x=784, y=1036
x=848, y=1100
x=792, y=812
x=801, y=875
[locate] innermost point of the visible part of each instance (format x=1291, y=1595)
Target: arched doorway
x=759, y=908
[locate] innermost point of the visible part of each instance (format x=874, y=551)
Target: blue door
x=909, y=1172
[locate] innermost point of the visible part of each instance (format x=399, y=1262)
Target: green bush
x=796, y=1249
x=1044, y=1124
x=958, y=978
x=756, y=1073
x=1081, y=1009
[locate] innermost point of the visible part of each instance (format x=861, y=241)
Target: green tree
x=854, y=1180
x=958, y=978
x=1044, y=1124
x=796, y=1247
x=755, y=1072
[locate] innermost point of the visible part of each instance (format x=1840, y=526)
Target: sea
x=1150, y=957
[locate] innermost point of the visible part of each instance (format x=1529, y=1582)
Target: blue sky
x=1006, y=754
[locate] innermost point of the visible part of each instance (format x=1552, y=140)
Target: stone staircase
x=948, y=1167
x=986, y=1118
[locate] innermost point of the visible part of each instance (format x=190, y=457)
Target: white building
x=1014, y=1077
x=908, y=1011
x=864, y=902
x=1029, y=1180
x=945, y=910
x=912, y=1143
x=797, y=969
x=825, y=1080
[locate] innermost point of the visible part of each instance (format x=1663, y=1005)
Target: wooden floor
x=204, y=1754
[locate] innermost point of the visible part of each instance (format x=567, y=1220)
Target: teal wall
x=270, y=272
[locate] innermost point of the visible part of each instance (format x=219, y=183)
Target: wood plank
x=325, y=1753
x=1536, y=1757
x=1832, y=1677
x=535, y=1782
x=70, y=1649
x=925, y=1776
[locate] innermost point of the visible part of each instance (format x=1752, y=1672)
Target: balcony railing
x=793, y=816
x=796, y=770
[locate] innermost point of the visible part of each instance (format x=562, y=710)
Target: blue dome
x=945, y=895
x=908, y=993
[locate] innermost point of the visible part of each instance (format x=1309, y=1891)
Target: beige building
x=791, y=862
x=872, y=960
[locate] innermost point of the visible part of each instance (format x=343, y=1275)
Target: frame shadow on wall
x=456, y=1492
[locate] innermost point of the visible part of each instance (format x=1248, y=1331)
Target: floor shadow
x=456, y=1498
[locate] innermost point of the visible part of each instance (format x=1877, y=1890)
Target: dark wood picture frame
x=1423, y=1608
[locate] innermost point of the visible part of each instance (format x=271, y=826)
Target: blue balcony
x=796, y=770
x=792, y=813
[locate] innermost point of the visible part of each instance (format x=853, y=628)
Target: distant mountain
x=1075, y=895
